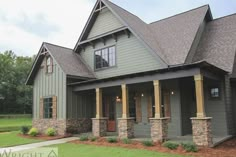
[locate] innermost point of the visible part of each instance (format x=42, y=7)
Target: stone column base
x=126, y=127
x=159, y=129
x=202, y=133
x=99, y=127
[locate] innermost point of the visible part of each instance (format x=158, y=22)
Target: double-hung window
x=49, y=64
x=105, y=57
x=47, y=107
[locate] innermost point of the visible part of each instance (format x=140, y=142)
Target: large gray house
x=167, y=79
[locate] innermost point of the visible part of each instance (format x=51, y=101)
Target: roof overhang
x=172, y=72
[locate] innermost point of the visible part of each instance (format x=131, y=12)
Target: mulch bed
x=45, y=137
x=226, y=149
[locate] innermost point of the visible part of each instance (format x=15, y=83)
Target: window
x=49, y=64
x=47, y=107
x=105, y=58
x=214, y=92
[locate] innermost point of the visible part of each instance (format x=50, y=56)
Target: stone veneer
x=63, y=126
x=126, y=127
x=159, y=129
x=202, y=133
x=99, y=127
x=43, y=124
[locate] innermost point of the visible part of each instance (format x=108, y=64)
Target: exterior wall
x=188, y=104
x=233, y=86
x=46, y=85
x=131, y=57
x=80, y=110
x=216, y=108
x=105, y=22
x=143, y=128
x=174, y=126
x=80, y=105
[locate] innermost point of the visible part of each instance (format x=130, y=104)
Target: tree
x=13, y=73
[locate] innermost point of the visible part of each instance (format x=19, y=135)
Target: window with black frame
x=47, y=105
x=105, y=58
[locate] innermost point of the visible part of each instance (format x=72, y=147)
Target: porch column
x=126, y=123
x=99, y=123
x=159, y=124
x=201, y=125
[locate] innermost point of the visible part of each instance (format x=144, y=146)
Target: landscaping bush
x=50, y=132
x=24, y=130
x=126, y=141
x=148, y=143
x=33, y=132
x=171, y=145
x=112, y=140
x=189, y=147
x=84, y=138
x=93, y=138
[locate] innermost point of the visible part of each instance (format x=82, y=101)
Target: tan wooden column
x=125, y=101
x=199, y=95
x=157, y=95
x=98, y=103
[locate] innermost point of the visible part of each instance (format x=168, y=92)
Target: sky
x=25, y=24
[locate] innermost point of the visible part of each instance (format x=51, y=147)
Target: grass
x=12, y=139
x=74, y=150
x=14, y=124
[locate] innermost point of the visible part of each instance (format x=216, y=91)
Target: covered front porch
x=171, y=105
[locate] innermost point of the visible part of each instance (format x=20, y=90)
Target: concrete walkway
x=37, y=145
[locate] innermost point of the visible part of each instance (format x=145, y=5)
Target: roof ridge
x=179, y=14
x=57, y=45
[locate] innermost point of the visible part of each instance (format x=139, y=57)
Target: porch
x=161, y=109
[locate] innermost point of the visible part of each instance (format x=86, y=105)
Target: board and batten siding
x=131, y=57
x=105, y=22
x=47, y=85
x=80, y=105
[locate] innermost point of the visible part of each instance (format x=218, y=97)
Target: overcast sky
x=25, y=24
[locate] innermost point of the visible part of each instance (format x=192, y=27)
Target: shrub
x=112, y=140
x=189, y=147
x=148, y=143
x=126, y=141
x=171, y=145
x=93, y=138
x=84, y=138
x=50, y=132
x=33, y=132
x=24, y=130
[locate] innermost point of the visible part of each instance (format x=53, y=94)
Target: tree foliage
x=15, y=96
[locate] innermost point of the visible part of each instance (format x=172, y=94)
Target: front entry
x=110, y=111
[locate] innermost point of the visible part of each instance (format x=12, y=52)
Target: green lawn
x=74, y=150
x=13, y=124
x=11, y=139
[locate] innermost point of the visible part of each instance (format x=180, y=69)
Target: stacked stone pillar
x=126, y=123
x=159, y=124
x=201, y=125
x=99, y=123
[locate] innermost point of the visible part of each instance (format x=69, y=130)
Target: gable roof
x=136, y=26
x=218, y=43
x=71, y=63
x=176, y=34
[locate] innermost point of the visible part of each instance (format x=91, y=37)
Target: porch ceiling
x=173, y=72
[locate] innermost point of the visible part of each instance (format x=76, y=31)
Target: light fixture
x=142, y=95
x=118, y=99
x=172, y=92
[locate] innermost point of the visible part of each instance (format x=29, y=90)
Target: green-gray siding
x=131, y=57
x=80, y=105
x=46, y=85
x=104, y=23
